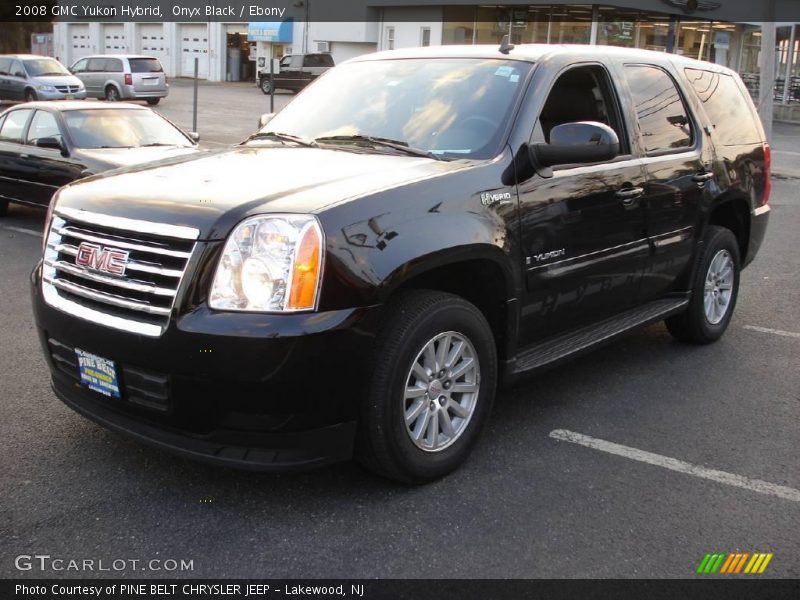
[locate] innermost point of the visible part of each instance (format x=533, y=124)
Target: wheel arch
x=733, y=212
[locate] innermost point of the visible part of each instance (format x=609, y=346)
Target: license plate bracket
x=98, y=374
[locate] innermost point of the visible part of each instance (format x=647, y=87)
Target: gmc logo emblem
x=109, y=260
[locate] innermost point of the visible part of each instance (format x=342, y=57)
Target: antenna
x=506, y=46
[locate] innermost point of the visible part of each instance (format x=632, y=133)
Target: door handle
x=703, y=177
x=628, y=195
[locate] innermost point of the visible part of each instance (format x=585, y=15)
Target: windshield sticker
x=514, y=78
x=504, y=71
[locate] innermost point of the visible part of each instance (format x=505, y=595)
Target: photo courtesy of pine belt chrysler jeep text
x=359, y=276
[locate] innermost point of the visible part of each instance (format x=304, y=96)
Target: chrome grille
x=141, y=299
x=67, y=89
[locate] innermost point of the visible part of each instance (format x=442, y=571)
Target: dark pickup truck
x=295, y=72
x=359, y=276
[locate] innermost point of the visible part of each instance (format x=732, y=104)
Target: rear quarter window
x=727, y=108
x=145, y=65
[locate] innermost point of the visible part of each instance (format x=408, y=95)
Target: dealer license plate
x=70, y=97
x=98, y=373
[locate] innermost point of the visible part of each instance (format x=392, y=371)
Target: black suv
x=296, y=72
x=359, y=275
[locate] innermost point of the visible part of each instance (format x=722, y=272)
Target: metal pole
x=789, y=64
x=271, y=85
x=194, y=102
x=767, y=84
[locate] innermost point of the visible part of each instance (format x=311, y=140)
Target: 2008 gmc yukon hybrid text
x=359, y=275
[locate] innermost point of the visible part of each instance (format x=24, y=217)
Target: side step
x=578, y=341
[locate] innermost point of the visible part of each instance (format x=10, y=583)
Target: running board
x=568, y=345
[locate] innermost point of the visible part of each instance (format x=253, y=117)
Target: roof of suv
x=118, y=56
x=537, y=53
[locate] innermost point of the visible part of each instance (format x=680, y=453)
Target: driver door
x=582, y=226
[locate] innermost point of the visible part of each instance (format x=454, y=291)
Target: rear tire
x=30, y=95
x=3, y=208
x=153, y=101
x=112, y=94
x=417, y=423
x=714, y=290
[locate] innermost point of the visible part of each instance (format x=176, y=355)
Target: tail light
x=128, y=79
x=767, y=175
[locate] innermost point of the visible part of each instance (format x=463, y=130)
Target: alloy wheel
x=718, y=291
x=441, y=391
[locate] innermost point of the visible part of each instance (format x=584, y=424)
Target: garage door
x=114, y=39
x=151, y=41
x=79, y=42
x=194, y=44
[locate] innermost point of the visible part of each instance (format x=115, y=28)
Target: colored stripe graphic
x=734, y=562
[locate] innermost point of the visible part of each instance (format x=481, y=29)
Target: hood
x=214, y=191
x=128, y=157
x=57, y=80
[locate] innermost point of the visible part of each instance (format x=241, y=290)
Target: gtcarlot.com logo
x=735, y=563
x=45, y=563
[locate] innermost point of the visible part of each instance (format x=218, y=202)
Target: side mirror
x=264, y=119
x=577, y=143
x=194, y=136
x=53, y=143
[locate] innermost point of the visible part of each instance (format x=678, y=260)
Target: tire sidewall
x=720, y=239
x=456, y=317
x=112, y=95
x=266, y=86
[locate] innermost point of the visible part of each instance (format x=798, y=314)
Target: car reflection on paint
x=44, y=146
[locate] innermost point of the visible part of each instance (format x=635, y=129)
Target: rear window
x=145, y=65
x=726, y=106
x=14, y=125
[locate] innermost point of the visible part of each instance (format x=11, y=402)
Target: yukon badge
x=487, y=198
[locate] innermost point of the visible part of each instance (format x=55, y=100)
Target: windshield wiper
x=154, y=144
x=379, y=141
x=282, y=137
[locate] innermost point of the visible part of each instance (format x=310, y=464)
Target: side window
x=43, y=125
x=296, y=62
x=80, y=66
x=5, y=66
x=113, y=65
x=97, y=65
x=663, y=119
x=581, y=94
x=726, y=106
x=17, y=70
x=285, y=62
x=14, y=125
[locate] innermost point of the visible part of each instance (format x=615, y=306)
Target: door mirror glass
x=577, y=143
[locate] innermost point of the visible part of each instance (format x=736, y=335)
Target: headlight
x=46, y=88
x=270, y=264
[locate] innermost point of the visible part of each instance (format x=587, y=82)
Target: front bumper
x=258, y=392
x=56, y=95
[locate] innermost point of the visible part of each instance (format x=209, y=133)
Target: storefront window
x=617, y=27
x=654, y=33
x=571, y=24
x=459, y=24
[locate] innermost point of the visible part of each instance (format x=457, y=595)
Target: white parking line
x=23, y=230
x=790, y=334
x=673, y=464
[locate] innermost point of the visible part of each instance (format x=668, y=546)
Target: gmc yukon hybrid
x=358, y=276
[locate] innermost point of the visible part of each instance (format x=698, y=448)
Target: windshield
x=121, y=128
x=454, y=108
x=37, y=67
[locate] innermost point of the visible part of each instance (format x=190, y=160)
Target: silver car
x=29, y=77
x=122, y=77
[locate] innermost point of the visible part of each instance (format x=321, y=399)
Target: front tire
x=30, y=96
x=714, y=291
x=433, y=381
x=266, y=85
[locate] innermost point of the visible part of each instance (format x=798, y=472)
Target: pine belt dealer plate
x=98, y=373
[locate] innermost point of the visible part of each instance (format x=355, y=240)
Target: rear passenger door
x=583, y=228
x=15, y=171
x=94, y=77
x=679, y=169
x=49, y=169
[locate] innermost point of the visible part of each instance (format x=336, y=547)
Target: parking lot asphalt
x=527, y=503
